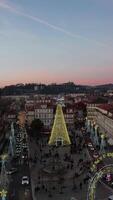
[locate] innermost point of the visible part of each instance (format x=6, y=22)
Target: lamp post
x=87, y=124
x=92, y=132
x=96, y=136
x=102, y=144
x=11, y=150
x=13, y=133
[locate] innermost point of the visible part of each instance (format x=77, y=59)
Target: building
x=12, y=115
x=69, y=115
x=44, y=108
x=44, y=112
x=102, y=115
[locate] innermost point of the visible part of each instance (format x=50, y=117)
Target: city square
x=56, y=100
x=60, y=165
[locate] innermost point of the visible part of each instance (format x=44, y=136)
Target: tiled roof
x=41, y=106
x=30, y=109
x=107, y=107
x=12, y=112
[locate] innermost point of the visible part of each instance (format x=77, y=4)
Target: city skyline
x=56, y=41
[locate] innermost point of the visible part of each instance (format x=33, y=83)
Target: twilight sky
x=56, y=41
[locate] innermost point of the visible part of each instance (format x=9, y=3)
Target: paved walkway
x=51, y=187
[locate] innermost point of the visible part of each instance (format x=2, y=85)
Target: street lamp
x=102, y=145
x=96, y=136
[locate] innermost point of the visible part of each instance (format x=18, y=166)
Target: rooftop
x=106, y=107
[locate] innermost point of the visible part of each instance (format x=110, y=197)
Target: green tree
x=36, y=127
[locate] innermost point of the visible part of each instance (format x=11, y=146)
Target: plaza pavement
x=56, y=194
x=66, y=191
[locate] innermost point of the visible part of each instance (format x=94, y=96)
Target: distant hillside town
x=64, y=88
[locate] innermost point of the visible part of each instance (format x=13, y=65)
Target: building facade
x=102, y=115
x=44, y=109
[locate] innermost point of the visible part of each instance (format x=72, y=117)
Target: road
x=17, y=191
x=102, y=191
x=20, y=192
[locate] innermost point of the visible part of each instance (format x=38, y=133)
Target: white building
x=45, y=113
x=102, y=115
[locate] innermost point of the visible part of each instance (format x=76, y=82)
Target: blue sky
x=56, y=41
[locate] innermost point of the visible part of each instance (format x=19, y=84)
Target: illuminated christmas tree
x=59, y=133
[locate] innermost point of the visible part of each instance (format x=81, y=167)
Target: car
x=92, y=148
x=89, y=145
x=24, y=145
x=18, y=152
x=24, y=140
x=18, y=149
x=110, y=197
x=11, y=171
x=15, y=157
x=25, y=149
x=18, y=146
x=25, y=180
x=18, y=139
x=24, y=156
x=17, y=143
x=95, y=155
x=18, y=136
x=108, y=178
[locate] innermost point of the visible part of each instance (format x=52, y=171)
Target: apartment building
x=102, y=115
x=44, y=112
x=44, y=109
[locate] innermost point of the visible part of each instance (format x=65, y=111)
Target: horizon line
x=57, y=83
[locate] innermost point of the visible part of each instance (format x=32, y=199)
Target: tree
x=36, y=127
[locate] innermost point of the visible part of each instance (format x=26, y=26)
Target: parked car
x=24, y=145
x=92, y=148
x=110, y=197
x=12, y=171
x=25, y=180
x=89, y=144
x=95, y=155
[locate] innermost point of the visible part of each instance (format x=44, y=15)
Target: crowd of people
x=74, y=160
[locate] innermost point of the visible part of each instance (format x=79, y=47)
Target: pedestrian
x=80, y=185
x=67, y=166
x=43, y=187
x=71, y=166
x=37, y=189
x=74, y=187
